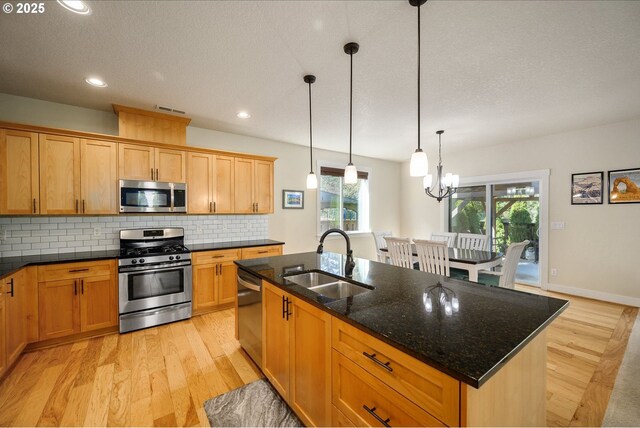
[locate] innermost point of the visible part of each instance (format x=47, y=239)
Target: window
x=343, y=206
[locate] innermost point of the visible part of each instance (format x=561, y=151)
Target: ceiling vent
x=169, y=109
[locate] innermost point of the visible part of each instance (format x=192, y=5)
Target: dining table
x=472, y=261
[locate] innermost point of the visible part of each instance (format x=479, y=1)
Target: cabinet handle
x=257, y=206
x=82, y=286
x=214, y=207
x=288, y=312
x=218, y=256
x=78, y=270
x=263, y=252
x=217, y=269
x=151, y=174
x=11, y=283
x=373, y=358
x=77, y=208
x=156, y=174
x=75, y=287
x=34, y=205
x=210, y=207
x=284, y=311
x=83, y=210
x=372, y=412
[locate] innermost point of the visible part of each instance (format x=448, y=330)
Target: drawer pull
x=373, y=358
x=263, y=252
x=78, y=270
x=11, y=283
x=219, y=256
x=373, y=413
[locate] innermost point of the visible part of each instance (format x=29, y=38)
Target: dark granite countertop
x=233, y=244
x=490, y=327
x=10, y=265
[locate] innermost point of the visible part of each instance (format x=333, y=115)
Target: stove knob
x=134, y=261
x=141, y=260
x=170, y=257
x=177, y=257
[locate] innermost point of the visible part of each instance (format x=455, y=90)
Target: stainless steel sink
x=326, y=285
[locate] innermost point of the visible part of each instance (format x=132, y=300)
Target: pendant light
x=350, y=172
x=419, y=166
x=312, y=180
x=445, y=186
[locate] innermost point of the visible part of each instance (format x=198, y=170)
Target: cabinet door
x=19, y=186
x=227, y=286
x=135, y=162
x=3, y=355
x=310, y=382
x=224, y=180
x=204, y=287
x=263, y=186
x=59, y=174
x=58, y=308
x=15, y=317
x=200, y=181
x=170, y=165
x=275, y=334
x=98, y=302
x=243, y=186
x=99, y=177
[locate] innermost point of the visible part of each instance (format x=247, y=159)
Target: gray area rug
x=624, y=404
x=256, y=404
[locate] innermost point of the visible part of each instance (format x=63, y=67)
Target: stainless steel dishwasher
x=250, y=315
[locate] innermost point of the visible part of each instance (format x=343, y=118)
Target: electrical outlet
x=97, y=231
x=554, y=272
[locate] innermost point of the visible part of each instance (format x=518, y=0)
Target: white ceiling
x=493, y=72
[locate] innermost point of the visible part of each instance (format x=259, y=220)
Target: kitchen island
x=477, y=360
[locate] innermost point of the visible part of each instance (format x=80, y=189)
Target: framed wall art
x=587, y=188
x=293, y=199
x=624, y=186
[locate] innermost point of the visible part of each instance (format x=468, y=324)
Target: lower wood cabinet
x=296, y=354
x=264, y=251
x=13, y=320
x=214, y=279
x=76, y=298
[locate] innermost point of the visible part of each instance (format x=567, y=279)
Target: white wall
x=598, y=252
x=296, y=227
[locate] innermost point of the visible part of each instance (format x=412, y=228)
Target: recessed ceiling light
x=243, y=115
x=75, y=6
x=94, y=81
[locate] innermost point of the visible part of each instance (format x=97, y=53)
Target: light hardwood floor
x=161, y=376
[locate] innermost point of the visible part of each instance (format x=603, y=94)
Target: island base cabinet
x=275, y=336
x=367, y=401
x=515, y=395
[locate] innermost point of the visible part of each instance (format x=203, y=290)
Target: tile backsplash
x=25, y=236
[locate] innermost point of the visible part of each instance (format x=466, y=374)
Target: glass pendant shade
x=350, y=174
x=419, y=166
x=427, y=181
x=312, y=181
x=455, y=181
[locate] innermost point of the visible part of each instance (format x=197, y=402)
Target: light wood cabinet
x=214, y=279
x=200, y=182
x=3, y=341
x=297, y=354
x=253, y=186
x=264, y=251
x=19, y=172
x=15, y=320
x=99, y=177
x=59, y=174
x=224, y=185
x=140, y=162
x=76, y=297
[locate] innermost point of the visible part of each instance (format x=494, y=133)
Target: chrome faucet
x=350, y=264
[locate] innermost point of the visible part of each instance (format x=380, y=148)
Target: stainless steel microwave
x=152, y=197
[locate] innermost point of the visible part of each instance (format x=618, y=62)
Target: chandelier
x=444, y=186
x=444, y=297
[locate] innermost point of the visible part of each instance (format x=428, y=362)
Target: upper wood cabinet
x=138, y=162
x=19, y=186
x=200, y=182
x=224, y=185
x=253, y=186
x=99, y=177
x=59, y=174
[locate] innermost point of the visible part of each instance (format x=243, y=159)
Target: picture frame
x=624, y=186
x=587, y=188
x=292, y=199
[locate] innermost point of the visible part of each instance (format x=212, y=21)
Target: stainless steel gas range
x=154, y=277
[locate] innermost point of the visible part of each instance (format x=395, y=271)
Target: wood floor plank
x=185, y=409
x=87, y=371
x=98, y=409
x=76, y=411
x=161, y=403
x=35, y=401
x=140, y=385
x=109, y=351
x=120, y=401
x=141, y=415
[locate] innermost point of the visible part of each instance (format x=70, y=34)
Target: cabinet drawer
x=429, y=388
x=266, y=251
x=58, y=271
x=338, y=419
x=208, y=257
x=354, y=390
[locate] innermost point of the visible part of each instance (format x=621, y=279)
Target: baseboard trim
x=593, y=294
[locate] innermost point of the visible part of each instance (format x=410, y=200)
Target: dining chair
x=449, y=237
x=507, y=274
x=433, y=256
x=378, y=237
x=400, y=251
x=472, y=241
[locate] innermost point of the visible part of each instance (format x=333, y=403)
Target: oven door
x=145, y=196
x=144, y=287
